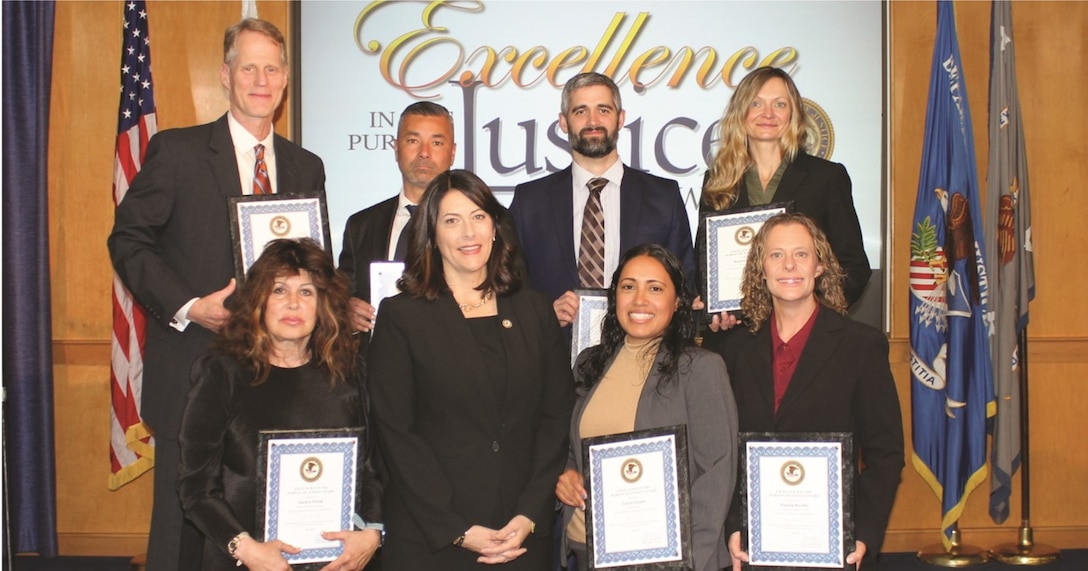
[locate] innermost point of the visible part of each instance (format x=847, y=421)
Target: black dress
x=218, y=439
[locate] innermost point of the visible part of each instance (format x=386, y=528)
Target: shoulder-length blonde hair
x=757, y=303
x=733, y=158
x=245, y=336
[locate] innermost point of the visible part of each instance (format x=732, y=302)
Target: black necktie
x=402, y=242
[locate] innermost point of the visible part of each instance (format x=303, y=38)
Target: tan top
x=612, y=407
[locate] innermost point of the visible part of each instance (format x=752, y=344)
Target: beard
x=595, y=147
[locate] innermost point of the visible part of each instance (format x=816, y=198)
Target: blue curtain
x=28, y=356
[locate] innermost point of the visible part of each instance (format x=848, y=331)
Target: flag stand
x=1025, y=551
x=957, y=555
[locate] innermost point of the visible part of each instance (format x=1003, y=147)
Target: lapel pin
x=506, y=323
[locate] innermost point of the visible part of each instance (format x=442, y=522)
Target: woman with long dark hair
x=647, y=373
x=285, y=360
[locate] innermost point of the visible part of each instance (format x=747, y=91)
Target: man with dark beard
x=575, y=224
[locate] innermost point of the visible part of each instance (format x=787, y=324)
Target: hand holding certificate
x=638, y=509
x=797, y=494
x=308, y=487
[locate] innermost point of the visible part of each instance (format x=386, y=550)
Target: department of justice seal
x=824, y=145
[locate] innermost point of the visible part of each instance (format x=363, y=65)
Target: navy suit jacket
x=651, y=211
x=843, y=383
x=366, y=239
x=171, y=242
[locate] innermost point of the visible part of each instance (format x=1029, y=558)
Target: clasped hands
x=497, y=546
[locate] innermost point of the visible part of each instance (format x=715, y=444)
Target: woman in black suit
x=472, y=393
x=762, y=159
x=802, y=366
x=285, y=360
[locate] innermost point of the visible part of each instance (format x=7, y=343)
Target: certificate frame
x=277, y=452
x=256, y=220
x=720, y=286
x=586, y=327
x=774, y=469
x=660, y=452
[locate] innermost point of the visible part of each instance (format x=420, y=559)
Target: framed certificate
x=797, y=497
x=383, y=281
x=728, y=237
x=306, y=484
x=638, y=513
x=256, y=220
x=586, y=329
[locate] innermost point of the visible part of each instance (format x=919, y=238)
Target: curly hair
x=245, y=335
x=678, y=336
x=757, y=304
x=733, y=159
x=423, y=274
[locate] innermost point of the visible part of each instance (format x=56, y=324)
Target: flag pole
x=1025, y=551
x=957, y=554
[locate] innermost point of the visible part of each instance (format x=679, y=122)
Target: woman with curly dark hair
x=647, y=373
x=472, y=393
x=285, y=360
x=802, y=366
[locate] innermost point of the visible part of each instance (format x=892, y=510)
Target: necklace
x=467, y=307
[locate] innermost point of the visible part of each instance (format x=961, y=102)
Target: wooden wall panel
x=1053, y=72
x=187, y=51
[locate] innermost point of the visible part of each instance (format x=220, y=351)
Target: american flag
x=131, y=447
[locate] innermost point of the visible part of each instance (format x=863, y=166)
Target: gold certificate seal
x=824, y=144
x=311, y=469
x=793, y=472
x=744, y=235
x=631, y=470
x=279, y=225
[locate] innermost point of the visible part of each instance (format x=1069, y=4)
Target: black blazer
x=455, y=457
x=225, y=412
x=651, y=211
x=171, y=242
x=366, y=239
x=843, y=383
x=820, y=190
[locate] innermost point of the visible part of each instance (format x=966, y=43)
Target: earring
x=492, y=237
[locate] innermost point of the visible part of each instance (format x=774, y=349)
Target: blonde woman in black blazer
x=649, y=321
x=841, y=382
x=471, y=394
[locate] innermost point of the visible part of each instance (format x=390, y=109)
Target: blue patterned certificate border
x=739, y=229
x=300, y=217
x=663, y=446
x=347, y=449
x=832, y=452
x=590, y=302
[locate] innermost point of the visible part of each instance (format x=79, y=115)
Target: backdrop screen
x=499, y=66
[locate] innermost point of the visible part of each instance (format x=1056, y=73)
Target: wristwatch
x=362, y=524
x=232, y=546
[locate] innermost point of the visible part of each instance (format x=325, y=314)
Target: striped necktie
x=591, y=249
x=261, y=184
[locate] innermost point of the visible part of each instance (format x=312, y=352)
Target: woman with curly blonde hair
x=803, y=366
x=764, y=140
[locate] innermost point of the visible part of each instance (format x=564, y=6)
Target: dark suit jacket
x=219, y=436
x=651, y=211
x=843, y=383
x=820, y=190
x=455, y=457
x=171, y=242
x=701, y=399
x=366, y=239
